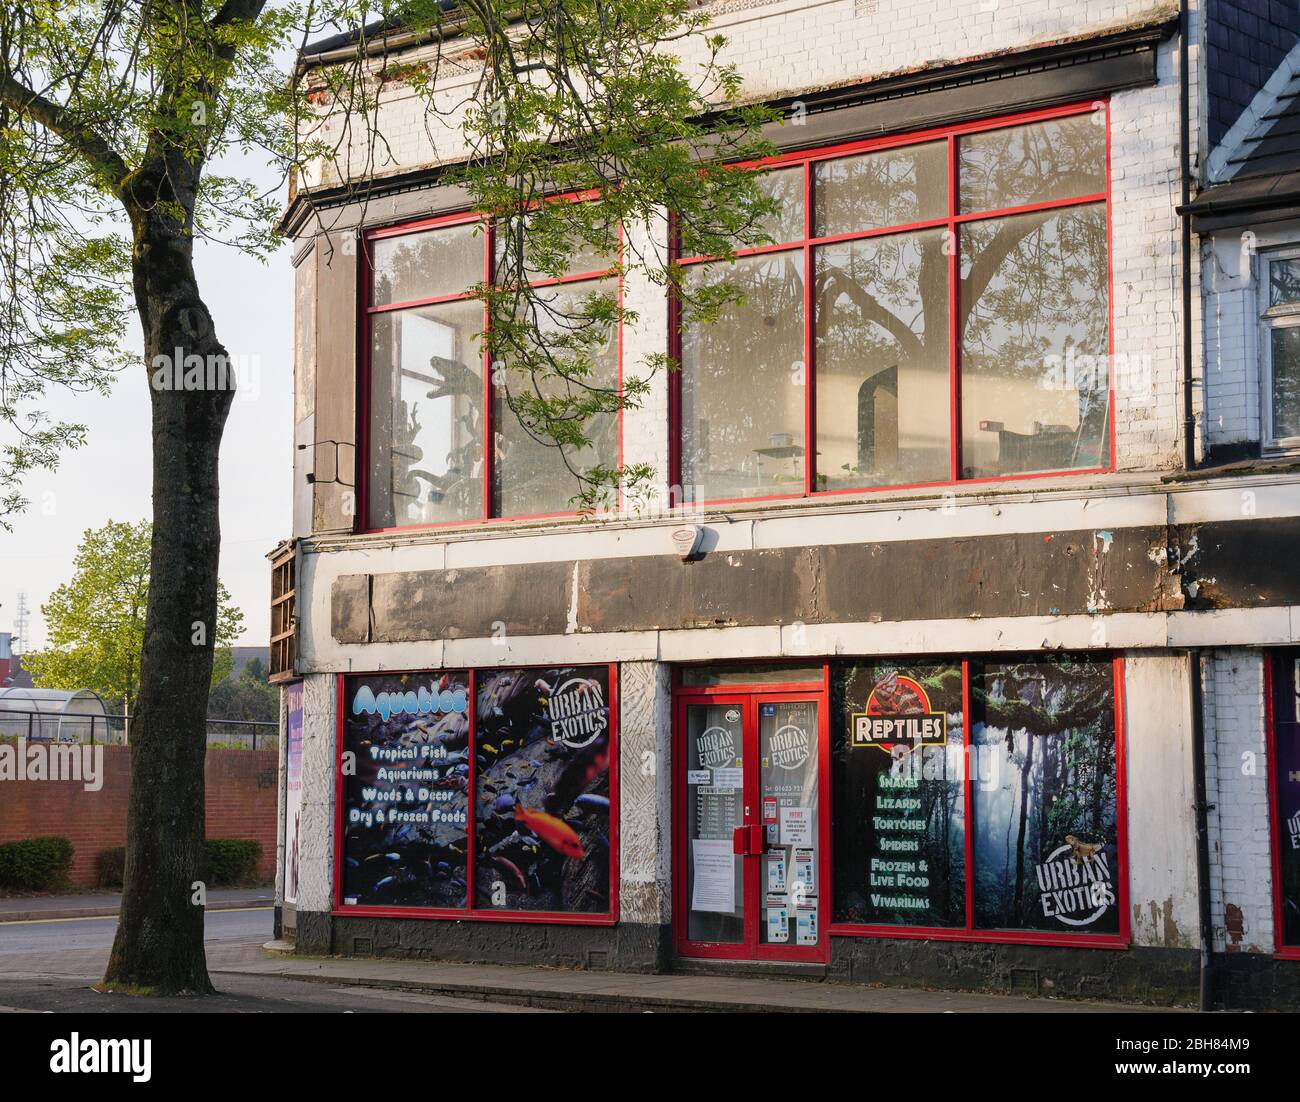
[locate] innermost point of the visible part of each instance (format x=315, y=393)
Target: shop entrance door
x=749, y=785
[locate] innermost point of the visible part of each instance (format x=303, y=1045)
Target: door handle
x=747, y=841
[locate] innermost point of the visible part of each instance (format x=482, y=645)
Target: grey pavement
x=563, y=989
x=28, y=908
x=50, y=966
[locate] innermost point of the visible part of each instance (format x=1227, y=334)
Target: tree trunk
x=1019, y=899
x=159, y=944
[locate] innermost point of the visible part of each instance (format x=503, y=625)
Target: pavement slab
x=609, y=991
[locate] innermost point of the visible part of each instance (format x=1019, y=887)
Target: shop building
x=961, y=655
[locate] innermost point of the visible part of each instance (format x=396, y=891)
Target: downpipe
x=1206, y=1001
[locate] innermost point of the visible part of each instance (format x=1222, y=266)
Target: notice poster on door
x=804, y=876
x=778, y=925
x=714, y=883
x=776, y=873
x=796, y=826
x=806, y=923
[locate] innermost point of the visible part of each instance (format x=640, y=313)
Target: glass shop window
x=972, y=262
x=494, y=800
x=447, y=440
x=978, y=796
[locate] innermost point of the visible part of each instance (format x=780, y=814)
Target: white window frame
x=1272, y=318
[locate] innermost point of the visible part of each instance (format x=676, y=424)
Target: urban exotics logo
x=419, y=701
x=716, y=747
x=576, y=710
x=898, y=712
x=1293, y=828
x=1076, y=883
x=788, y=747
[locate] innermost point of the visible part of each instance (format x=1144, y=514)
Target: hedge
x=35, y=864
x=110, y=867
x=232, y=860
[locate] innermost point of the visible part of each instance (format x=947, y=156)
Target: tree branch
x=60, y=122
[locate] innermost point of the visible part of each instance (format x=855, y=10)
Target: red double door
x=750, y=790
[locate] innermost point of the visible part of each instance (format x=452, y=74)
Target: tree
x=95, y=623
x=246, y=696
x=113, y=116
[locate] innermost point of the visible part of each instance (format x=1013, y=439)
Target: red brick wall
x=241, y=788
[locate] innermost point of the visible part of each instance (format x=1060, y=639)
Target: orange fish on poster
x=555, y=832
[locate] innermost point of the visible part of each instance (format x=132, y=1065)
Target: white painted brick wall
x=1232, y=269
x=1236, y=785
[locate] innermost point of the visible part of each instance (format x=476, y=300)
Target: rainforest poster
x=1045, y=810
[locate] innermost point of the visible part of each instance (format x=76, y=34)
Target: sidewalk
x=561, y=989
x=34, y=908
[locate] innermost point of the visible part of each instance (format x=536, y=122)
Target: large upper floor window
x=443, y=443
x=931, y=309
x=1280, y=348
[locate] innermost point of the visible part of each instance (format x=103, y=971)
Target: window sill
x=985, y=937
x=444, y=914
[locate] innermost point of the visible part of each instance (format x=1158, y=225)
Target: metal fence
x=112, y=730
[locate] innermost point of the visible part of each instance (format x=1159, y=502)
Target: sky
x=109, y=478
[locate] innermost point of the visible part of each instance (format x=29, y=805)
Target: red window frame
x=952, y=223
x=970, y=932
x=1281, y=949
x=471, y=913
x=361, y=521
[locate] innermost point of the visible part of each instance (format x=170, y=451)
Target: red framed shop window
x=980, y=800
x=1282, y=721
x=479, y=794
x=439, y=444
x=935, y=308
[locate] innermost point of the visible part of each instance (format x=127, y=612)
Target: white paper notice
x=698, y=776
x=713, y=863
x=729, y=778
x=803, y=871
x=796, y=826
x=778, y=925
x=776, y=873
x=806, y=927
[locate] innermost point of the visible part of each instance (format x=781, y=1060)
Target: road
x=50, y=965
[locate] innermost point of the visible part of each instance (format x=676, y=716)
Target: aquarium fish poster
x=542, y=745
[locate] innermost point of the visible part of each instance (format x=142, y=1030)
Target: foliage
x=232, y=861
x=96, y=621
x=110, y=867
x=245, y=696
x=35, y=864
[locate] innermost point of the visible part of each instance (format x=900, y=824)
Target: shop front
x=958, y=799
x=812, y=807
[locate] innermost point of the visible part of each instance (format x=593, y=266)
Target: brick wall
x=1241, y=872
x=241, y=790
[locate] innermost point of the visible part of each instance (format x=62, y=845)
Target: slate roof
x=1265, y=172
